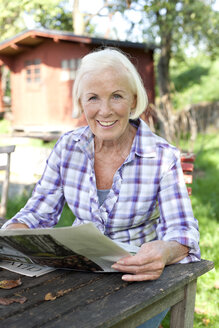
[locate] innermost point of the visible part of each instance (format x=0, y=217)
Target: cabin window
x=33, y=71
x=69, y=68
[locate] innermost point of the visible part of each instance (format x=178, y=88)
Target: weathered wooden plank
x=189, y=190
x=30, y=282
x=182, y=313
x=81, y=294
x=187, y=157
x=35, y=293
x=188, y=178
x=131, y=300
x=187, y=167
x=7, y=149
x=97, y=300
x=150, y=311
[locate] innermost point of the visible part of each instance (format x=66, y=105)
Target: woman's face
x=107, y=100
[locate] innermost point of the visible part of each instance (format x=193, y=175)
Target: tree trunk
x=167, y=118
x=163, y=66
x=78, y=19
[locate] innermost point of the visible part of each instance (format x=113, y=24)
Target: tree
x=82, y=20
x=173, y=24
x=52, y=14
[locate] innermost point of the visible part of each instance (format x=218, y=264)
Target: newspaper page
x=20, y=263
x=30, y=270
x=82, y=248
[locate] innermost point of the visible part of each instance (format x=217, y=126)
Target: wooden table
x=101, y=300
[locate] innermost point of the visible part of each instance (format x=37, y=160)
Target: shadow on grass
x=190, y=77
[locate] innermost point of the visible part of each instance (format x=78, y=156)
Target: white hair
x=110, y=58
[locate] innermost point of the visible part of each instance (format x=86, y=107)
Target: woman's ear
x=77, y=111
x=134, y=102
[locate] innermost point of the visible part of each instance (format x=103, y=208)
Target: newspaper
x=34, y=252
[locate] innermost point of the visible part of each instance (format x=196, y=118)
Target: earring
x=131, y=112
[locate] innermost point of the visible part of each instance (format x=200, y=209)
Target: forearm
x=17, y=226
x=175, y=251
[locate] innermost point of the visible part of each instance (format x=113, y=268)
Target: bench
x=187, y=161
x=5, y=151
x=66, y=298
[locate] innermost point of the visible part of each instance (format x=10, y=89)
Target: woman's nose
x=105, y=108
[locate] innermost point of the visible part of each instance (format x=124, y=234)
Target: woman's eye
x=117, y=96
x=93, y=98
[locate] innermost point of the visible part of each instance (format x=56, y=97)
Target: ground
x=27, y=164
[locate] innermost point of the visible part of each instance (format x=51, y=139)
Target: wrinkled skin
x=149, y=262
x=17, y=226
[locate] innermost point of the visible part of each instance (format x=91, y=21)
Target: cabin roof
x=29, y=39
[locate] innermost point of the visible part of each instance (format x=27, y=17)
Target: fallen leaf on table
x=8, y=284
x=8, y=301
x=51, y=297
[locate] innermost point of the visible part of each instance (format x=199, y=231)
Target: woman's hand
x=17, y=226
x=149, y=262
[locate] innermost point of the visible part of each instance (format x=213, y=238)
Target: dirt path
x=27, y=162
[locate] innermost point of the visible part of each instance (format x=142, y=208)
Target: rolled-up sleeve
x=44, y=208
x=176, y=220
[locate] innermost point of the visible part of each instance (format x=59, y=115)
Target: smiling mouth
x=106, y=123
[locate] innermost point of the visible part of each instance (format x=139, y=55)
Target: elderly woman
x=116, y=173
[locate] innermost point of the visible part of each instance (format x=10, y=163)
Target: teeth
x=107, y=123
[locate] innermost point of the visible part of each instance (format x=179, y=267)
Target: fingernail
x=114, y=266
x=120, y=262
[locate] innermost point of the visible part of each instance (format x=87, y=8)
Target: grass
x=14, y=205
x=194, y=81
x=5, y=126
x=205, y=195
x=205, y=203
x=206, y=209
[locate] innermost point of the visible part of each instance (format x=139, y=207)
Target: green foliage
x=14, y=205
x=205, y=195
x=5, y=126
x=186, y=21
x=52, y=14
x=194, y=80
x=181, y=21
x=67, y=217
x=174, y=24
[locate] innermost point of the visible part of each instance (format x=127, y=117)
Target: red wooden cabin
x=43, y=65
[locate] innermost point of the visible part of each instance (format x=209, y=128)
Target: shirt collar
x=144, y=144
x=85, y=140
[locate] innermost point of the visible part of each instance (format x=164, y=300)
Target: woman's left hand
x=149, y=262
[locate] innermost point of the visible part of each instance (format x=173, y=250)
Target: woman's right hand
x=17, y=226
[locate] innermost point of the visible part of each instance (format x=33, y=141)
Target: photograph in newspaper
x=43, y=250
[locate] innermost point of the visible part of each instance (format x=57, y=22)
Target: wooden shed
x=42, y=66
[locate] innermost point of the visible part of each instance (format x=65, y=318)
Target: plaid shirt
x=150, y=175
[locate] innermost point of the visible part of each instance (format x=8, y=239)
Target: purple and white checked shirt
x=151, y=174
